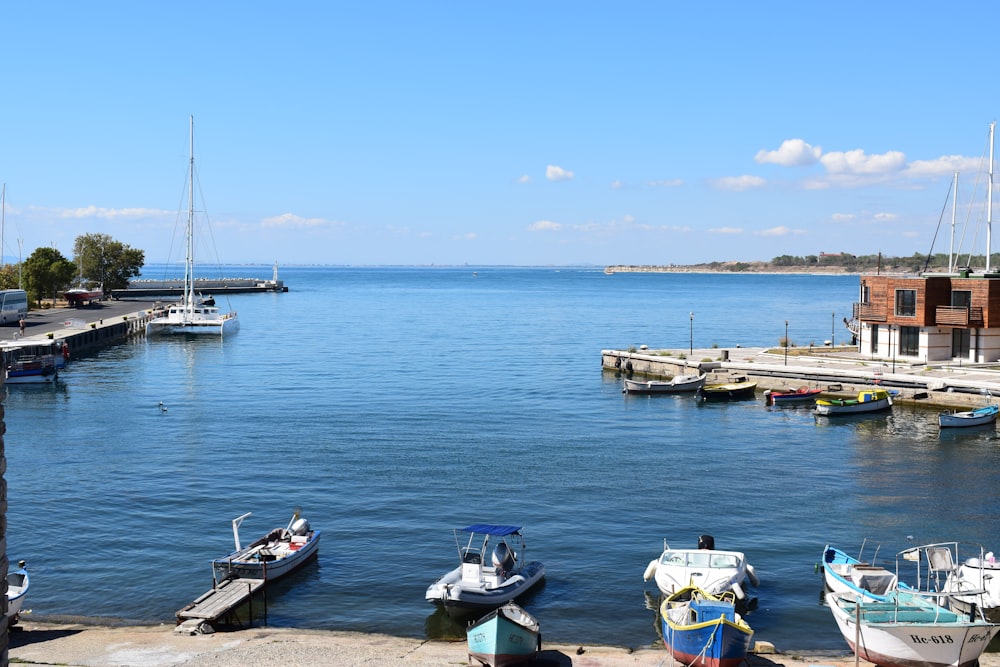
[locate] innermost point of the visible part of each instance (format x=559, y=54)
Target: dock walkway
x=220, y=602
x=942, y=384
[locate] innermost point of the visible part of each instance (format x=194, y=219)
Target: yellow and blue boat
x=507, y=635
x=703, y=630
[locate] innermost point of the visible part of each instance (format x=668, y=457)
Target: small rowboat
x=506, y=636
x=678, y=384
x=869, y=400
x=739, y=388
x=703, y=630
x=984, y=415
x=787, y=396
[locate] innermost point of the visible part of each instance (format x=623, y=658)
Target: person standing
x=21, y=324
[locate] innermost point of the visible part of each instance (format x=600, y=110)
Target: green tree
x=46, y=272
x=107, y=262
x=9, y=277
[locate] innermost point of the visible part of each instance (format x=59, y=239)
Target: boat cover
x=491, y=529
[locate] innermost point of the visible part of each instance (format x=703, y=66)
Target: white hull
x=951, y=642
x=979, y=580
x=271, y=557
x=854, y=408
x=17, y=588
x=456, y=594
x=968, y=418
x=715, y=572
x=223, y=326
x=679, y=384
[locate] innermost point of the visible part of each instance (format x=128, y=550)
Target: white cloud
x=554, y=173
x=779, y=231
x=946, y=164
x=109, y=213
x=726, y=230
x=545, y=226
x=843, y=217
x=856, y=162
x=524, y=179
x=739, y=183
x=292, y=220
x=666, y=183
x=617, y=185
x=792, y=153
x=885, y=216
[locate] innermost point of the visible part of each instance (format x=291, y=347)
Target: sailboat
x=192, y=315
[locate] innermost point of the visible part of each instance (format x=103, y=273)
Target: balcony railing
x=959, y=316
x=868, y=313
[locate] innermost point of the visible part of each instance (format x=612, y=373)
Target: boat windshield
x=699, y=559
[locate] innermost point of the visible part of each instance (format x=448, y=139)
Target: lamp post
x=691, y=334
x=833, y=329
x=786, y=342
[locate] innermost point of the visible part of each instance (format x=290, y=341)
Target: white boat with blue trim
x=492, y=570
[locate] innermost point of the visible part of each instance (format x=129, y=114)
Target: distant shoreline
x=756, y=267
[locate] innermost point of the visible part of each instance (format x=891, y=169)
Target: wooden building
x=931, y=317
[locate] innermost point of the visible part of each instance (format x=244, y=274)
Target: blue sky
x=526, y=133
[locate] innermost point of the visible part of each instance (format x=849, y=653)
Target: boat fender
x=618, y=362
x=739, y=591
x=628, y=365
x=752, y=575
x=650, y=570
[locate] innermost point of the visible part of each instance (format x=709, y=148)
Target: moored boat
x=676, y=385
x=703, y=630
x=909, y=630
x=791, y=396
x=191, y=316
x=843, y=573
x=17, y=588
x=492, y=570
x=32, y=370
x=505, y=636
x=738, y=388
x=715, y=571
x=81, y=296
x=276, y=554
x=868, y=400
x=978, y=417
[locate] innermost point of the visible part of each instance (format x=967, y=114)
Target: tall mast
x=954, y=209
x=3, y=215
x=189, y=263
x=989, y=203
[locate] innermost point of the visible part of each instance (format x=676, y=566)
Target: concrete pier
x=946, y=385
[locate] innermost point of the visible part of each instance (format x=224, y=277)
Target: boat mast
x=954, y=206
x=989, y=203
x=3, y=215
x=189, y=263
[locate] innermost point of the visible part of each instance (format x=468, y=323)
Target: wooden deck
x=221, y=601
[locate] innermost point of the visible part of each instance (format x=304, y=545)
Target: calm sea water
x=393, y=405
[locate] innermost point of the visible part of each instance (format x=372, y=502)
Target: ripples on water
x=393, y=405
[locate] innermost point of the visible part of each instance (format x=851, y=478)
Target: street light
x=833, y=328
x=891, y=329
x=691, y=334
x=786, y=342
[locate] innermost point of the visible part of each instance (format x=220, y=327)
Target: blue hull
x=505, y=636
x=710, y=634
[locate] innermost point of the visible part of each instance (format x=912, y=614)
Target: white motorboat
x=192, y=315
x=271, y=557
x=17, y=589
x=676, y=385
x=492, y=570
x=713, y=571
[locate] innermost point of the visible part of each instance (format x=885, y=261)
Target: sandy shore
x=46, y=643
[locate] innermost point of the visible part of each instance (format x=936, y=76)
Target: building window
x=866, y=294
x=961, y=298
x=874, y=339
x=906, y=302
x=909, y=341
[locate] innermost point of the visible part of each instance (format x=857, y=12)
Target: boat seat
x=299, y=539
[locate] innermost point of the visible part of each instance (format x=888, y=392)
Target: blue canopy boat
x=492, y=570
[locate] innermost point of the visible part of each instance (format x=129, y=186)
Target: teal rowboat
x=507, y=635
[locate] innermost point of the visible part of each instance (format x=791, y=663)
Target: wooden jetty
x=221, y=602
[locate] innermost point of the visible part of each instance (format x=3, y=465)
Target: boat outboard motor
x=706, y=542
x=300, y=527
x=503, y=557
